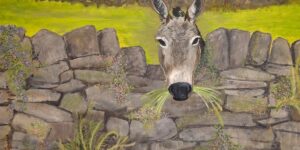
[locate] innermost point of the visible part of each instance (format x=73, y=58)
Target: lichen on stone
x=282, y=88
x=15, y=59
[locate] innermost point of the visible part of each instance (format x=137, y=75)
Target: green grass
x=157, y=98
x=137, y=25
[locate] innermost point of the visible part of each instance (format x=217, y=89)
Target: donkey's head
x=180, y=47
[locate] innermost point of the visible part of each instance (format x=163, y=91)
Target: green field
x=137, y=25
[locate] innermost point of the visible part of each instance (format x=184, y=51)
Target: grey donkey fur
x=180, y=41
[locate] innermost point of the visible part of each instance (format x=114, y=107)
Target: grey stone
x=239, y=41
x=247, y=104
x=21, y=32
x=4, y=132
x=4, y=145
x=72, y=86
x=171, y=145
x=4, y=96
x=31, y=125
x=277, y=117
x=108, y=42
x=288, y=141
x=247, y=74
x=288, y=127
x=236, y=84
x=66, y=76
x=295, y=114
x=42, y=85
x=197, y=134
x=26, y=53
x=42, y=95
x=91, y=76
x=63, y=131
x=82, y=42
x=118, y=125
x=209, y=119
x=95, y=62
x=134, y=101
x=18, y=136
x=296, y=51
x=281, y=53
x=155, y=72
x=139, y=146
x=152, y=85
x=46, y=112
x=217, y=43
x=194, y=105
x=135, y=60
x=279, y=70
x=258, y=138
x=258, y=134
x=94, y=115
x=22, y=141
x=6, y=115
x=281, y=113
x=259, y=47
x=103, y=98
x=49, y=47
x=245, y=92
x=50, y=74
x=137, y=81
x=271, y=121
x=74, y=103
x=162, y=130
x=3, y=84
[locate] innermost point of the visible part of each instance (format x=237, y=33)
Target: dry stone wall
x=73, y=72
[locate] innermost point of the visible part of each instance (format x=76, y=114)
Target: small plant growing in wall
x=15, y=60
x=222, y=141
x=286, y=91
x=119, y=83
x=90, y=136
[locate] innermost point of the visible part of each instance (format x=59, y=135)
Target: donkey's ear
x=194, y=10
x=161, y=8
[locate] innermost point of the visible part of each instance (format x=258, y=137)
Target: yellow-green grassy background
x=137, y=25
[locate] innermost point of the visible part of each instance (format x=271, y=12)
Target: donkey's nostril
x=180, y=91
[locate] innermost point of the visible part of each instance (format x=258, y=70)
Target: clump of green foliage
x=90, y=137
x=282, y=89
x=155, y=100
x=291, y=93
x=15, y=59
x=119, y=83
x=222, y=141
x=152, y=108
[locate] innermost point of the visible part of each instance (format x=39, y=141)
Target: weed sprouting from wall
x=15, y=60
x=222, y=141
x=119, y=83
x=288, y=93
x=282, y=89
x=89, y=136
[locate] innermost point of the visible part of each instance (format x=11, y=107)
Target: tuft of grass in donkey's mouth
x=157, y=98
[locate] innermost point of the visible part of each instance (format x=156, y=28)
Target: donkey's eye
x=196, y=41
x=162, y=42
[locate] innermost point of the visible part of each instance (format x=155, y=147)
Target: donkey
x=180, y=46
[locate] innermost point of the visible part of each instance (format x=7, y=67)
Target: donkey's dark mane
x=177, y=12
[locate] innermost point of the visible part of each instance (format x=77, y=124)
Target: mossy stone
x=74, y=103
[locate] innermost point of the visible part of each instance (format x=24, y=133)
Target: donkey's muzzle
x=180, y=91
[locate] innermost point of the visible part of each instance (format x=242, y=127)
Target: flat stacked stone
x=217, y=44
x=82, y=42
